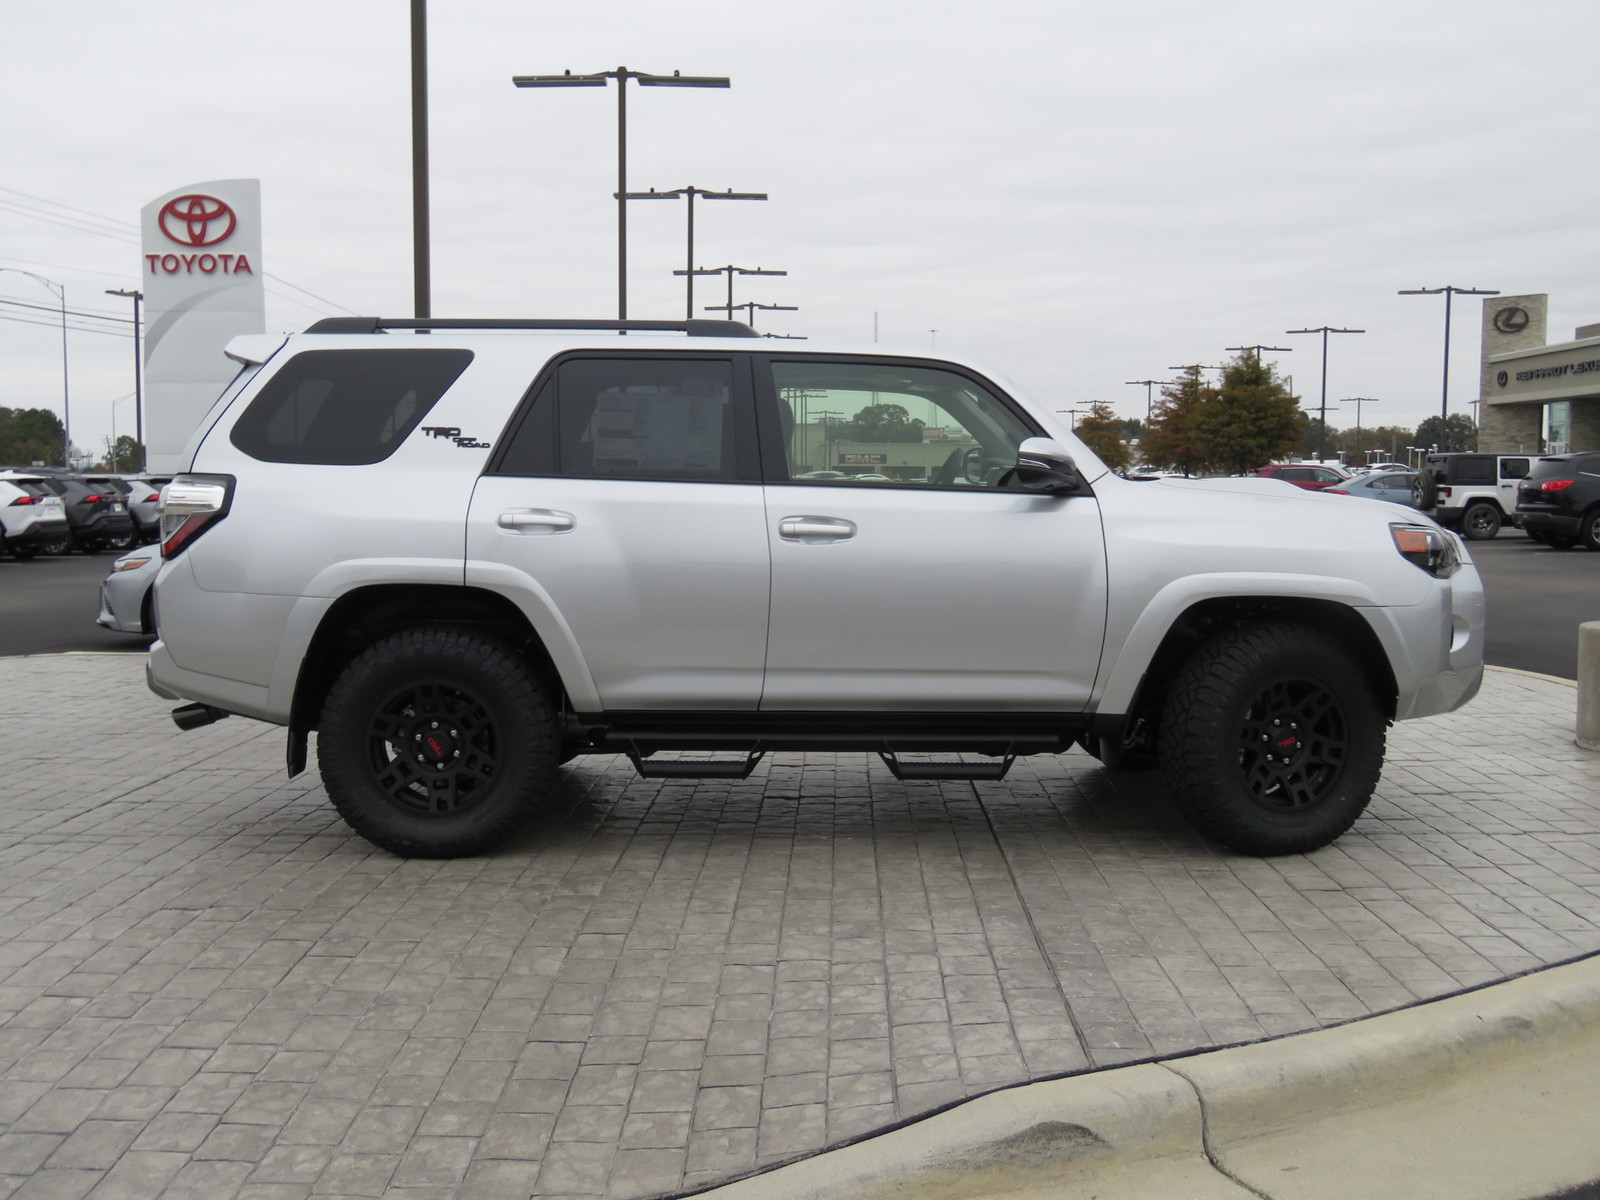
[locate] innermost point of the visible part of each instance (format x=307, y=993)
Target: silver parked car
x=125, y=600
x=1397, y=487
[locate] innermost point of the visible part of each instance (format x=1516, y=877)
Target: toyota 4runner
x=463, y=552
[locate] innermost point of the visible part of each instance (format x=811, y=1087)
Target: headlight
x=1432, y=549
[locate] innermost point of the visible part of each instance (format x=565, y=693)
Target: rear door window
x=345, y=407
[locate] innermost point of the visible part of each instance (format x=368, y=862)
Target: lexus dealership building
x=1536, y=396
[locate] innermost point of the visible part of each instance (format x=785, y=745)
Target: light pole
x=1147, y=384
x=66, y=391
x=692, y=192
x=1257, y=349
x=1450, y=292
x=421, y=271
x=1358, y=401
x=1324, y=330
x=730, y=271
x=750, y=307
x=621, y=75
x=138, y=370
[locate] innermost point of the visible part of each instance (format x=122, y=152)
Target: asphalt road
x=1537, y=599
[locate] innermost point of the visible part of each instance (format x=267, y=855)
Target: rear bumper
x=1549, y=522
x=37, y=534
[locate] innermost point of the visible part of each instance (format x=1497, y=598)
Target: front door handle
x=536, y=520
x=816, y=529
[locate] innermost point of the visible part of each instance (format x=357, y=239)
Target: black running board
x=683, y=768
x=946, y=770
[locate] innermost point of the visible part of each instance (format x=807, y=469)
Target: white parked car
x=614, y=554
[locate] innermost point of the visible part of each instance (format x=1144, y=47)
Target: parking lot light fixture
x=730, y=271
x=750, y=307
x=60, y=289
x=1324, y=330
x=1358, y=401
x=689, y=272
x=1450, y=292
x=599, y=79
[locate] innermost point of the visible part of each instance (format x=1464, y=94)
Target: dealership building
x=1536, y=396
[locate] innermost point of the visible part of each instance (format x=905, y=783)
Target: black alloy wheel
x=1480, y=522
x=436, y=743
x=1272, y=739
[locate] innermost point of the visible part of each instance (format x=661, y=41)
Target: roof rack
x=379, y=324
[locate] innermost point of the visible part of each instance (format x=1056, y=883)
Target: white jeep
x=462, y=552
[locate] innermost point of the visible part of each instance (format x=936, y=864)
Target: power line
x=71, y=312
x=57, y=325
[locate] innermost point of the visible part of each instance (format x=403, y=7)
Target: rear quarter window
x=345, y=407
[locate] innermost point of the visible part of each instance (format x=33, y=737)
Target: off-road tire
x=1272, y=739
x=436, y=743
x=1480, y=522
x=1424, y=491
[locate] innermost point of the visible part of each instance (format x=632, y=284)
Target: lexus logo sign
x=197, y=220
x=1511, y=320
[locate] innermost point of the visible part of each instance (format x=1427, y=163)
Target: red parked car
x=1311, y=476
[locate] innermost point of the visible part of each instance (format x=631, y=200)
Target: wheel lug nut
x=436, y=725
x=456, y=754
x=1264, y=738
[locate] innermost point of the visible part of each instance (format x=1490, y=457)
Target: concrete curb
x=1494, y=1095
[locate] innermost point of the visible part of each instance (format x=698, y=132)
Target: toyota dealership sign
x=202, y=285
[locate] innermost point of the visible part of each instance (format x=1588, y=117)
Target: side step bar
x=682, y=768
x=946, y=770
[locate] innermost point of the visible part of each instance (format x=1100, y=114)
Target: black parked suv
x=1559, y=503
x=97, y=511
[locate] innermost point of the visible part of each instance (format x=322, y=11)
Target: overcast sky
x=1078, y=194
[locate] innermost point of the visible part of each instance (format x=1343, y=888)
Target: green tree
x=881, y=423
x=1252, y=421
x=1104, y=432
x=124, y=455
x=1171, y=436
x=1455, y=432
x=31, y=435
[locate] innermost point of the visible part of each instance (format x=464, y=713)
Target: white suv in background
x=622, y=544
x=32, y=517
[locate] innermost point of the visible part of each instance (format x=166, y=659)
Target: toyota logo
x=1511, y=320
x=197, y=220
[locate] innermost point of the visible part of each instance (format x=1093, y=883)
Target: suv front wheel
x=436, y=743
x=1272, y=739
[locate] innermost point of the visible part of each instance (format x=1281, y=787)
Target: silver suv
x=463, y=552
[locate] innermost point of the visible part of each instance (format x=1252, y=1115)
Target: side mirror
x=1043, y=465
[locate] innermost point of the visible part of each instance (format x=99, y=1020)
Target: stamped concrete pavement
x=208, y=987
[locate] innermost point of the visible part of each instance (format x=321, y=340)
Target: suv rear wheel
x=436, y=743
x=1272, y=739
x=1589, y=529
x=1481, y=521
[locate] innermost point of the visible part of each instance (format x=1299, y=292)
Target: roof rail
x=379, y=324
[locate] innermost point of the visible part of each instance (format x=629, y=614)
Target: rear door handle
x=816, y=529
x=536, y=520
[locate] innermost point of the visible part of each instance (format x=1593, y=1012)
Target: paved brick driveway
x=208, y=989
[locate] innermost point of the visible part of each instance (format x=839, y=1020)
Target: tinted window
x=1473, y=470
x=630, y=418
x=891, y=424
x=1513, y=468
x=1292, y=473
x=345, y=407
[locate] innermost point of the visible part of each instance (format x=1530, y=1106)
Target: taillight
x=190, y=505
x=94, y=498
x=1336, y=491
x=152, y=498
x=26, y=500
x=1444, y=493
x=1554, y=485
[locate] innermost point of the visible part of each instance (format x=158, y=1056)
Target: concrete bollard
x=1589, y=685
